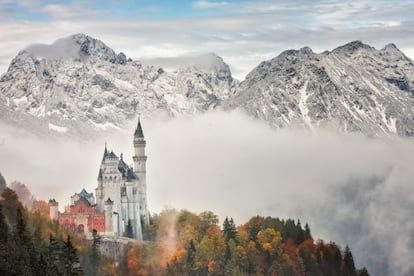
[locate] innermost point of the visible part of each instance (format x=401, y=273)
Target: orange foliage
x=177, y=257
x=42, y=207
x=291, y=256
x=135, y=266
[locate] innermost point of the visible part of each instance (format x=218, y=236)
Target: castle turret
x=140, y=160
x=99, y=191
x=109, y=229
x=53, y=209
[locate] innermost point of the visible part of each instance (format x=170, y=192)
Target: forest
x=177, y=242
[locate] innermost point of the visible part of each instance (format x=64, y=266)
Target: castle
x=120, y=208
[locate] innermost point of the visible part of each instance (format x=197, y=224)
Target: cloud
x=350, y=189
x=209, y=4
x=244, y=33
x=74, y=11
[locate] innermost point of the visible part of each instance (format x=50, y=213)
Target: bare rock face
x=78, y=87
x=354, y=88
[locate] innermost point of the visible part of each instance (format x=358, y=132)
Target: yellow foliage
x=270, y=240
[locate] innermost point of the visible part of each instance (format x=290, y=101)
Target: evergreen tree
x=4, y=228
x=300, y=237
x=229, y=229
x=24, y=246
x=55, y=256
x=5, y=261
x=72, y=264
x=307, y=232
x=92, y=257
x=10, y=204
x=2, y=183
x=348, y=263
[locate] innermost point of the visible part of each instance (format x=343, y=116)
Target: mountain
x=79, y=85
x=354, y=88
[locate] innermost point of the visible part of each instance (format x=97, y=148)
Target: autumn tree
x=211, y=251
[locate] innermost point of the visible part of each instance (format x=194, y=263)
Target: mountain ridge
x=78, y=85
x=354, y=87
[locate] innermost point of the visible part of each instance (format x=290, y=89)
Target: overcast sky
x=242, y=32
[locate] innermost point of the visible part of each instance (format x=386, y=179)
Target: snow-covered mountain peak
x=306, y=50
x=352, y=47
x=208, y=63
x=78, y=46
x=353, y=88
x=391, y=50
x=81, y=85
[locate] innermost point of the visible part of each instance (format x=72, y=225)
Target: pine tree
x=94, y=255
x=300, y=237
x=72, y=264
x=229, y=229
x=348, y=263
x=2, y=183
x=55, y=256
x=5, y=260
x=24, y=247
x=4, y=228
x=307, y=232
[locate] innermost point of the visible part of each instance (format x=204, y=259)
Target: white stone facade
x=121, y=191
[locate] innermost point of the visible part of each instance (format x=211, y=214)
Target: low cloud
x=350, y=189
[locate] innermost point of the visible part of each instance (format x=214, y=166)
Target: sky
x=244, y=33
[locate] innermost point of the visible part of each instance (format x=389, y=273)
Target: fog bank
x=350, y=189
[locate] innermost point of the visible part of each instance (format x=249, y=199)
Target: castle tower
x=99, y=191
x=109, y=228
x=53, y=209
x=140, y=160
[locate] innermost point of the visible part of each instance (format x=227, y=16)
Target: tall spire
x=105, y=152
x=138, y=131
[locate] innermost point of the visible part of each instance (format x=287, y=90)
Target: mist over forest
x=347, y=187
